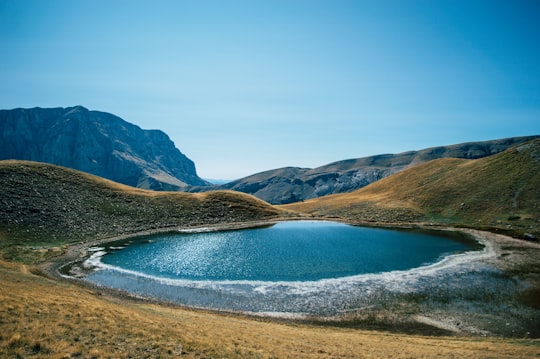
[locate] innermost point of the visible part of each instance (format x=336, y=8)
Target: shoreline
x=492, y=255
x=76, y=251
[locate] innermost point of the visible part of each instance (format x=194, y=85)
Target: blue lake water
x=274, y=266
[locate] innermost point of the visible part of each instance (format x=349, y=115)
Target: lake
x=297, y=267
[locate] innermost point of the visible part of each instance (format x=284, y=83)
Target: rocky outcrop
x=98, y=143
x=292, y=184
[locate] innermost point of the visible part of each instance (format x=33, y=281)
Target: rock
x=98, y=143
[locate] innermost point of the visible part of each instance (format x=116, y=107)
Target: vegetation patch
x=497, y=193
x=46, y=206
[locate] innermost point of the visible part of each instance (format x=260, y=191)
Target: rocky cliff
x=293, y=184
x=98, y=143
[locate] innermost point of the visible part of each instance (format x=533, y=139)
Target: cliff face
x=288, y=185
x=98, y=143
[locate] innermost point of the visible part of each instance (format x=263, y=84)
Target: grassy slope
x=501, y=192
x=44, y=318
x=41, y=318
x=43, y=206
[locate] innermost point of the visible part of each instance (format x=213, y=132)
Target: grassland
x=43, y=318
x=46, y=209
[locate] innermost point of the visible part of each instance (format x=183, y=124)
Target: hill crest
x=295, y=184
x=43, y=203
x=499, y=192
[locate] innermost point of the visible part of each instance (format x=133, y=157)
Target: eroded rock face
x=96, y=142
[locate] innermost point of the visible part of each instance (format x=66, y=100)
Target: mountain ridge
x=499, y=193
x=96, y=142
x=295, y=184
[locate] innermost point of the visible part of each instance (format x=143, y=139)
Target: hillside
x=42, y=204
x=294, y=184
x=500, y=192
x=96, y=142
x=43, y=207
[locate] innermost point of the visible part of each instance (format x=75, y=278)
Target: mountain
x=47, y=204
x=294, y=184
x=98, y=143
x=499, y=192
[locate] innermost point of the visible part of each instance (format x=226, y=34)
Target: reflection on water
x=313, y=268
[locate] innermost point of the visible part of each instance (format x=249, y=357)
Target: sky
x=247, y=86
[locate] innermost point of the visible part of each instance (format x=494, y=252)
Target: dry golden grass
x=42, y=318
x=402, y=190
x=499, y=192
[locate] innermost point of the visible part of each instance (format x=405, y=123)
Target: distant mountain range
x=98, y=143
x=294, y=184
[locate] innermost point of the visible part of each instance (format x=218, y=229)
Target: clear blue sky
x=246, y=86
